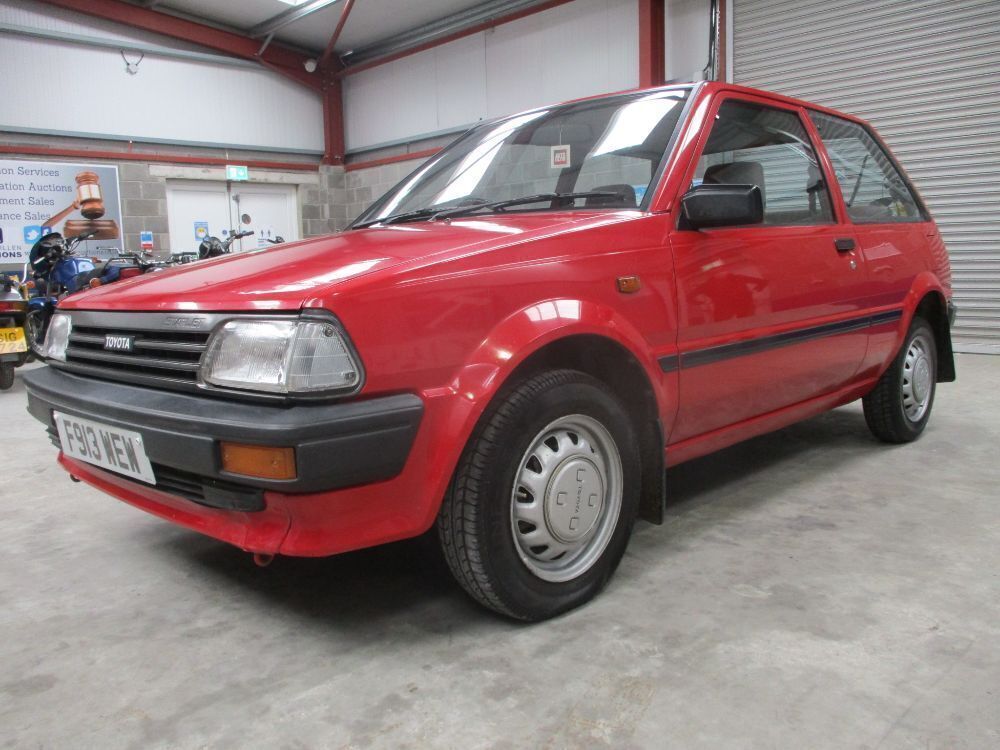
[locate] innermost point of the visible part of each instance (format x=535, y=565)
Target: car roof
x=709, y=88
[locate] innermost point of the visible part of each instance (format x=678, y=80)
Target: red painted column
x=333, y=120
x=652, y=43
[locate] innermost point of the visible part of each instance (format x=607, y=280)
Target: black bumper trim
x=337, y=445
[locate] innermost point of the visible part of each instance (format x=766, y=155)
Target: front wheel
x=35, y=325
x=898, y=408
x=543, y=501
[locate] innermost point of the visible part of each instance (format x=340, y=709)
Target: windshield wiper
x=447, y=213
x=419, y=213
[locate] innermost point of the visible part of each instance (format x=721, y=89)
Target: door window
x=873, y=189
x=767, y=147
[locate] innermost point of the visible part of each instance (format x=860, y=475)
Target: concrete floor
x=811, y=589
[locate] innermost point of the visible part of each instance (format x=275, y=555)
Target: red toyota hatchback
x=517, y=341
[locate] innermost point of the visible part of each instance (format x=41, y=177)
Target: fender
x=508, y=345
x=880, y=357
x=926, y=282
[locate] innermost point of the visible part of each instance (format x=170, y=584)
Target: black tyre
x=6, y=376
x=899, y=406
x=35, y=324
x=543, y=500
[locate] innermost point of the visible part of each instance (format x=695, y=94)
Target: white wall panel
x=582, y=48
x=688, y=23
x=574, y=50
x=56, y=86
x=420, y=93
x=461, y=71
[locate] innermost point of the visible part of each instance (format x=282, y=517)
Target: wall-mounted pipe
x=711, y=70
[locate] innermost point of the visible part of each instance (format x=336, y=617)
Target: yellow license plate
x=12, y=341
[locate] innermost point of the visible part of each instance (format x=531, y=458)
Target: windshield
x=597, y=154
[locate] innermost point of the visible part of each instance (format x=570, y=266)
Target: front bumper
x=336, y=445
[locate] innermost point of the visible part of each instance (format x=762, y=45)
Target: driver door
x=772, y=314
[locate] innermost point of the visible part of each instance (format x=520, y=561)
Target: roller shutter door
x=926, y=74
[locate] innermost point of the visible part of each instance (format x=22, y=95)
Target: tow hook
x=75, y=478
x=262, y=560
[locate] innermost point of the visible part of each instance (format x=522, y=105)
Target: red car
x=516, y=342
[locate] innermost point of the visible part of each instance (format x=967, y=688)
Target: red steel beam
x=280, y=59
x=333, y=121
x=328, y=52
x=652, y=43
x=83, y=153
x=456, y=35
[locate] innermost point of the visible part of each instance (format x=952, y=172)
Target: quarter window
x=767, y=147
x=873, y=189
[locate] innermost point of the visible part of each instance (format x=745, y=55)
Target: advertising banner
x=37, y=197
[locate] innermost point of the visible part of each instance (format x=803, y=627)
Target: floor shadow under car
x=359, y=589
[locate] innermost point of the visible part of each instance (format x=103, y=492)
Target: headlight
x=57, y=337
x=281, y=356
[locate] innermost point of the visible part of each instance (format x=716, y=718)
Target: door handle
x=844, y=244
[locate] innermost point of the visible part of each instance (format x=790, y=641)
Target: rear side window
x=755, y=145
x=873, y=189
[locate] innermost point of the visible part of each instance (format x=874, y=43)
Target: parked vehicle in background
x=516, y=342
x=52, y=271
x=13, y=345
x=213, y=247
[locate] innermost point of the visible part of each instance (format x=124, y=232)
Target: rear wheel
x=542, y=503
x=898, y=408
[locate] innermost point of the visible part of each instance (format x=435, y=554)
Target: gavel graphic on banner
x=90, y=203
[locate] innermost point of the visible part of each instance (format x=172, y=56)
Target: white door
x=272, y=210
x=196, y=209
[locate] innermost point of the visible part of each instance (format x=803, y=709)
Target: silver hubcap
x=918, y=378
x=567, y=497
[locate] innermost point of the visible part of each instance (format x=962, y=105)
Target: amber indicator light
x=629, y=284
x=260, y=461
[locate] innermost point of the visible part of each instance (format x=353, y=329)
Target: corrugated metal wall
x=926, y=73
x=574, y=50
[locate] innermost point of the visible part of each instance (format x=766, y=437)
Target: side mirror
x=722, y=206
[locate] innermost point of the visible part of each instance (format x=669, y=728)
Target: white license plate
x=111, y=448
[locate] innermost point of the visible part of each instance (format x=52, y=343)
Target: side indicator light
x=260, y=461
x=629, y=284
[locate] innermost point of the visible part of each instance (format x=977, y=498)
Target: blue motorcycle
x=54, y=271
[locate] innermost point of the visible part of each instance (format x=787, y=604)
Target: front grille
x=162, y=355
x=166, y=352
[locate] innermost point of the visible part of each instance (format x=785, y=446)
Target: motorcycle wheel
x=6, y=375
x=35, y=325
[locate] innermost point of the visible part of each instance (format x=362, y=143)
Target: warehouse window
x=767, y=147
x=873, y=189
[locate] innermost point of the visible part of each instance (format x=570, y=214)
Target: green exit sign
x=237, y=173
